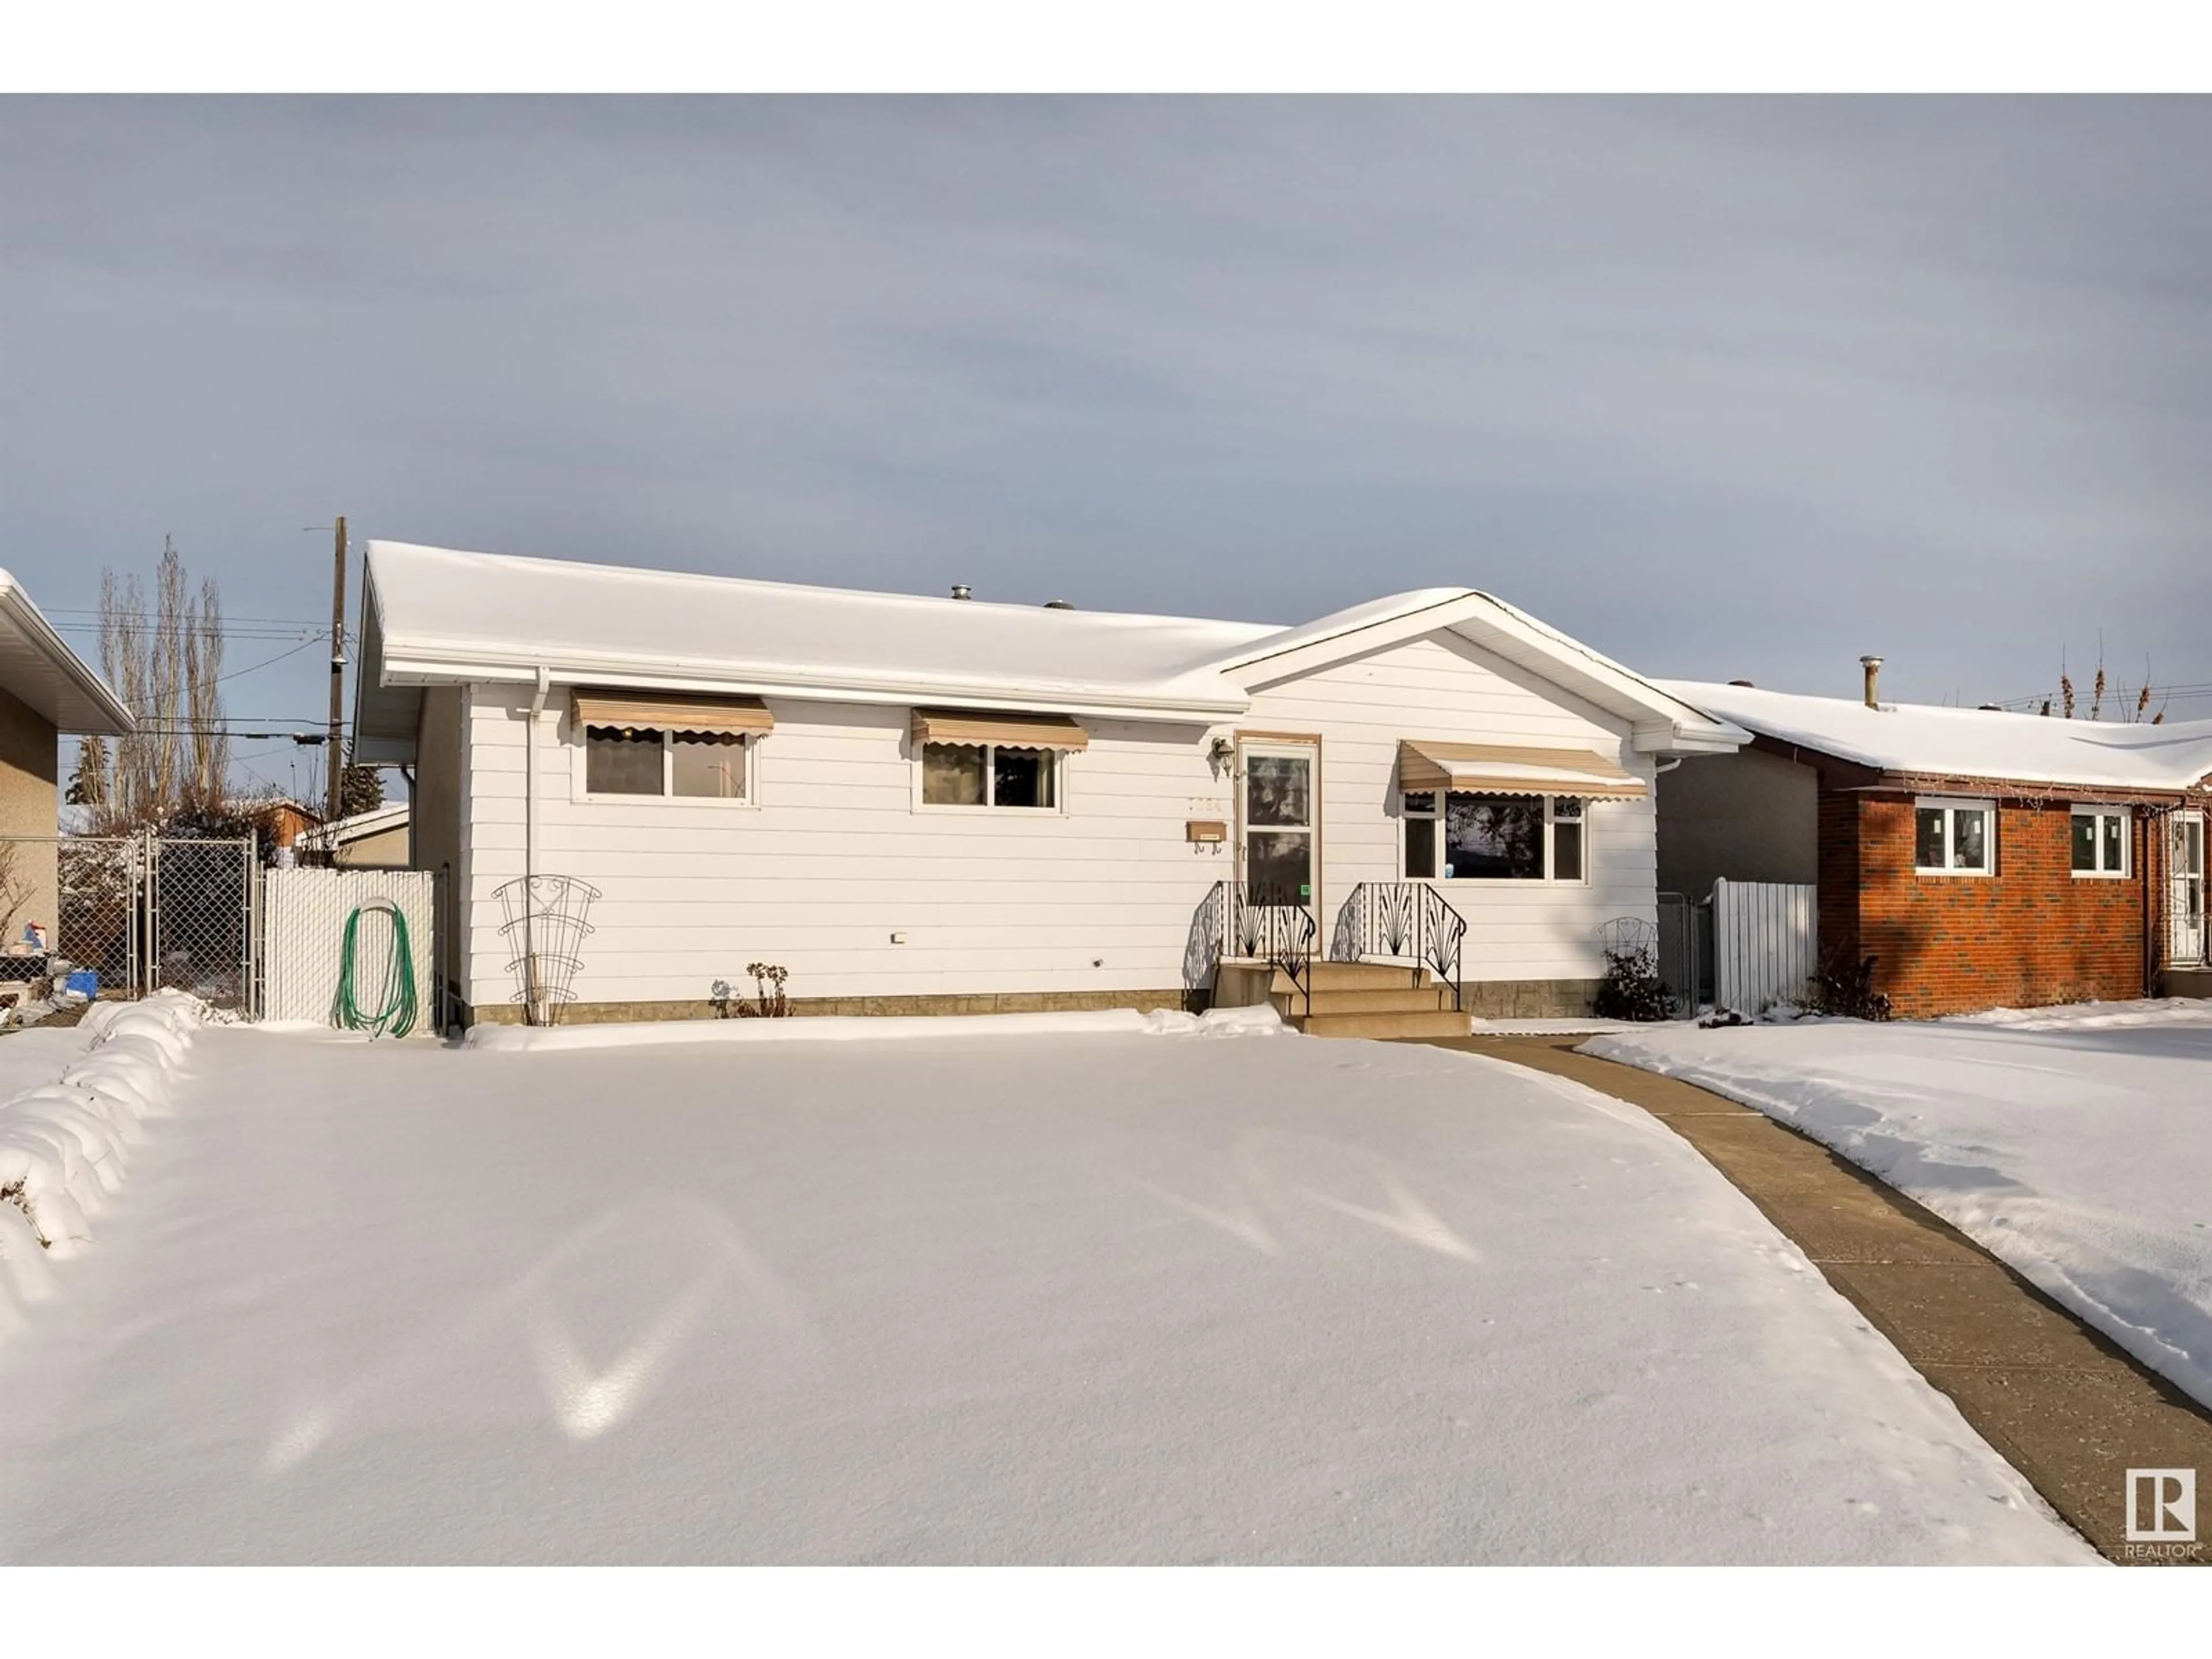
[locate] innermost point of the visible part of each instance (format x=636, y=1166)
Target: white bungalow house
x=924, y=805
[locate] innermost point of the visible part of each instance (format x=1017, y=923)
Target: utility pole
x=334, y=751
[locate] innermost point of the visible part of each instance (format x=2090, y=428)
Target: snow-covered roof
x=38, y=668
x=1922, y=740
x=436, y=616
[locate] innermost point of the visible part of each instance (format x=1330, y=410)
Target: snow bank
x=65, y=1144
x=866, y=1028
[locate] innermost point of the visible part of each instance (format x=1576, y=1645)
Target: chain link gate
x=200, y=920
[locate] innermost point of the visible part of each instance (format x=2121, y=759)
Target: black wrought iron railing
x=1241, y=922
x=1401, y=921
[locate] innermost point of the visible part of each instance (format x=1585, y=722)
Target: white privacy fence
x=306, y=950
x=1766, y=939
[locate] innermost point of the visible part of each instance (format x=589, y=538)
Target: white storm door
x=1281, y=800
x=2187, y=908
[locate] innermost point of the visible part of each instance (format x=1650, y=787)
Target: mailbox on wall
x=1205, y=829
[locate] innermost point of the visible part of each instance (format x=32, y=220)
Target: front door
x=1280, y=803
x=2188, y=904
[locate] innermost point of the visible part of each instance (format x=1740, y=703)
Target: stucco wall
x=29, y=805
x=834, y=854
x=1749, y=816
x=386, y=848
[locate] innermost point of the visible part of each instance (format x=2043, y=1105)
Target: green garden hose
x=396, y=1016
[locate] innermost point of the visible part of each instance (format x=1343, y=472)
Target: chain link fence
x=122, y=915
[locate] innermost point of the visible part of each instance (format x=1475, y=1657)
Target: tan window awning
x=1016, y=731
x=1496, y=769
x=673, y=711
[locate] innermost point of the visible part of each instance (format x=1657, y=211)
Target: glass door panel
x=1278, y=823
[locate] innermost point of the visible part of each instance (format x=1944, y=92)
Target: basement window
x=1955, y=837
x=2100, y=840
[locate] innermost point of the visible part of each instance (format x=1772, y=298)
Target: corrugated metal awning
x=672, y=711
x=1496, y=769
x=1015, y=730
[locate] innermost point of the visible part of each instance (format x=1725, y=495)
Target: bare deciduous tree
x=166, y=662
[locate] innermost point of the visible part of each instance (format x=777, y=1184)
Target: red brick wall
x=2032, y=934
x=1838, y=895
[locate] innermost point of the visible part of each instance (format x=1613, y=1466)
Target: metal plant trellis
x=545, y=927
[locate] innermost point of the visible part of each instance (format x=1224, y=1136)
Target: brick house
x=1983, y=859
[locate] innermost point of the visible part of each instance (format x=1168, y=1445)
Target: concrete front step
x=1370, y=999
x=1358, y=976
x=1443, y=1022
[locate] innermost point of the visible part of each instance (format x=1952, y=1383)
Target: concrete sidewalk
x=2066, y=1406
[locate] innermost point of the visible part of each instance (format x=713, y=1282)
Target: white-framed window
x=2100, y=840
x=1454, y=835
x=1955, y=837
x=626, y=761
x=989, y=775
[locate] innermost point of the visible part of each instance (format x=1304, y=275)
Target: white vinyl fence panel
x=304, y=914
x=1766, y=935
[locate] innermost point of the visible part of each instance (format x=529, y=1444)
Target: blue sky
x=1738, y=387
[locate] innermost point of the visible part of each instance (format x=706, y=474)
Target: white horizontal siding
x=832, y=856
x=835, y=857
x=1445, y=689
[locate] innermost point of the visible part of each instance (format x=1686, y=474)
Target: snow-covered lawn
x=1121, y=1298
x=2074, y=1143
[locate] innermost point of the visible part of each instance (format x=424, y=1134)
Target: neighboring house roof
x=1920, y=740
x=39, y=667
x=435, y=616
x=343, y=832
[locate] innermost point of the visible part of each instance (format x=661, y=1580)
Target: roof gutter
x=426, y=668
x=2114, y=794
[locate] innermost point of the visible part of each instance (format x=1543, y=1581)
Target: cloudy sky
x=1725, y=388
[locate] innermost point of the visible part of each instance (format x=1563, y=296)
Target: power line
x=313, y=639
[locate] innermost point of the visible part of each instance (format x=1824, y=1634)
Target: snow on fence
x=1766, y=935
x=305, y=914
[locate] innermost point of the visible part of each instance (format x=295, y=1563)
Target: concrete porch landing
x=2063, y=1404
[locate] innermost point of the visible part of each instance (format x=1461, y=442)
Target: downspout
x=532, y=1009
x=2157, y=928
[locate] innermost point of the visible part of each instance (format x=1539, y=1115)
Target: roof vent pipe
x=960, y=591
x=1058, y=604
x=1873, y=666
